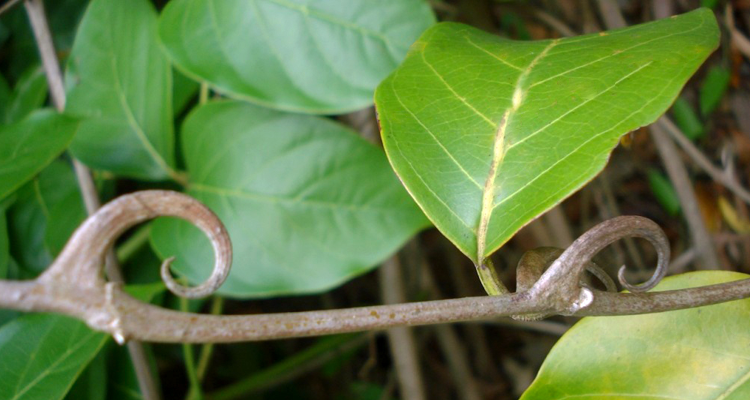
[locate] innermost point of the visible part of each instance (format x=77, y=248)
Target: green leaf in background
x=323, y=57
x=63, y=17
x=664, y=192
x=92, y=384
x=28, y=95
x=4, y=249
x=308, y=204
x=122, y=383
x=121, y=84
x=488, y=133
x=28, y=146
x=5, y=95
x=700, y=353
x=44, y=216
x=713, y=89
x=43, y=354
x=183, y=89
x=687, y=120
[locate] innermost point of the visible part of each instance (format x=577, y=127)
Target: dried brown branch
x=73, y=285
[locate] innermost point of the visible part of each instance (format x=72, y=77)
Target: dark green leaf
x=122, y=383
x=700, y=353
x=28, y=146
x=119, y=80
x=92, y=384
x=4, y=249
x=43, y=354
x=488, y=133
x=713, y=89
x=183, y=89
x=664, y=191
x=45, y=215
x=5, y=95
x=308, y=204
x=687, y=120
x=28, y=95
x=315, y=57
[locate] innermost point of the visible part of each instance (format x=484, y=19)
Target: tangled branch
x=74, y=286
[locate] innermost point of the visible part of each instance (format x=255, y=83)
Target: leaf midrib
x=498, y=152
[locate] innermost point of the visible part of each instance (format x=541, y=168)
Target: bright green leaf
x=713, y=89
x=28, y=95
x=322, y=57
x=308, y=204
x=687, y=120
x=43, y=354
x=699, y=353
x=121, y=83
x=488, y=133
x=28, y=146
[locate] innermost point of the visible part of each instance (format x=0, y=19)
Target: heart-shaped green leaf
x=488, y=133
x=308, y=204
x=323, y=57
x=120, y=82
x=28, y=146
x=700, y=353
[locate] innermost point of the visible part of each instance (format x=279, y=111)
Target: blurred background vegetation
x=707, y=224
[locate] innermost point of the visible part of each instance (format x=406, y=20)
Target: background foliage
x=254, y=107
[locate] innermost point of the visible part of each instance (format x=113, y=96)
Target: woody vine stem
x=73, y=285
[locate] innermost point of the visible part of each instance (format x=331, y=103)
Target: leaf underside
x=699, y=353
x=319, y=57
x=488, y=133
x=308, y=204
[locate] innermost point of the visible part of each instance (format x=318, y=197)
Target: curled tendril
x=564, y=273
x=101, y=231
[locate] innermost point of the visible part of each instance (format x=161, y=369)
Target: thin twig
x=547, y=327
x=738, y=39
x=401, y=339
x=678, y=175
x=713, y=171
x=453, y=350
x=40, y=27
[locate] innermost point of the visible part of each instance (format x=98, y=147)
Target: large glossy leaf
x=43, y=354
x=28, y=146
x=308, y=204
x=698, y=353
x=309, y=56
x=488, y=133
x=121, y=83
